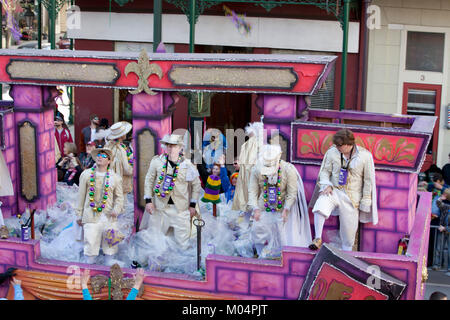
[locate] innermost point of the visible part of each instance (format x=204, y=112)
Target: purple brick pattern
x=28, y=101
x=33, y=104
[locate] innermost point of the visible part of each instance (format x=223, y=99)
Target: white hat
x=118, y=130
x=172, y=139
x=270, y=156
x=99, y=150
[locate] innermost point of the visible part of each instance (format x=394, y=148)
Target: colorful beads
x=279, y=203
x=92, y=204
x=164, y=193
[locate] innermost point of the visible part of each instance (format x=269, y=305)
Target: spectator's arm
x=86, y=294
x=133, y=294
x=138, y=280
x=70, y=136
x=225, y=181
x=434, y=208
x=18, y=293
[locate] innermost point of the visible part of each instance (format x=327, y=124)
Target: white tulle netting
x=61, y=239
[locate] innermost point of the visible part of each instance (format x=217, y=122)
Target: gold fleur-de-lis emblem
x=143, y=69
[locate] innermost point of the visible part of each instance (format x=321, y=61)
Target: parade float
x=375, y=270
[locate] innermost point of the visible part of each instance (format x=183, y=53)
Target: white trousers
x=348, y=216
x=93, y=237
x=180, y=222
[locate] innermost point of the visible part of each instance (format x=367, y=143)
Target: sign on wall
x=396, y=150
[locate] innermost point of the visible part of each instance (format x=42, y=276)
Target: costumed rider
x=122, y=163
x=172, y=190
x=100, y=201
x=247, y=160
x=345, y=187
x=277, y=199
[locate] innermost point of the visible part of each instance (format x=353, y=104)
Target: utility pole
x=344, y=53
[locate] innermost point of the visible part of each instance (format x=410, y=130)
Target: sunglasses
x=103, y=155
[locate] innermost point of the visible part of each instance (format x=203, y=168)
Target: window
x=422, y=102
x=425, y=51
x=324, y=97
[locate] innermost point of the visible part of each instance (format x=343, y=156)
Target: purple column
x=279, y=111
x=35, y=104
x=153, y=113
x=9, y=204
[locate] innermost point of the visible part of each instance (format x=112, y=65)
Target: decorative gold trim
x=63, y=71
x=28, y=161
x=233, y=76
x=146, y=151
x=143, y=69
x=424, y=274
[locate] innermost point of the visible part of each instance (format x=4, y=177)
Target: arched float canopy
x=256, y=73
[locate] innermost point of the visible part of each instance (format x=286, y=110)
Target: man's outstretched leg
x=322, y=210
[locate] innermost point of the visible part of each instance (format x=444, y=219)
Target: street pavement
x=437, y=281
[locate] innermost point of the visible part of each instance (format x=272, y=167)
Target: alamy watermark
x=374, y=17
x=73, y=18
x=73, y=282
x=374, y=281
x=232, y=138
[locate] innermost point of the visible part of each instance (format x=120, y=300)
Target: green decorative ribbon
x=109, y=280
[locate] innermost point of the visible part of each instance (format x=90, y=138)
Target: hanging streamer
x=11, y=23
x=238, y=20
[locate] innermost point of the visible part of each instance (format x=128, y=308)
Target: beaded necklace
x=167, y=182
x=129, y=154
x=95, y=207
x=272, y=195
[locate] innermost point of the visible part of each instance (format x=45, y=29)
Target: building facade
x=408, y=69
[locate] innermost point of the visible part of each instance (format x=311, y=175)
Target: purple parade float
x=281, y=82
